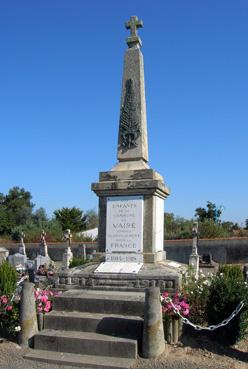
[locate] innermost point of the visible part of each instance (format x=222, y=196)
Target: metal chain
x=211, y=327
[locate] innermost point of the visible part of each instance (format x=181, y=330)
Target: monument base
x=166, y=275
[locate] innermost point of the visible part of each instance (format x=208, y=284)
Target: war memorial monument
x=111, y=310
x=131, y=195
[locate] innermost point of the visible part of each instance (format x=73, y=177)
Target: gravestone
x=19, y=259
x=42, y=258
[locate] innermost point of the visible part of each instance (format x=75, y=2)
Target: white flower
x=18, y=328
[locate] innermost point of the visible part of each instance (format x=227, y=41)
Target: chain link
x=211, y=327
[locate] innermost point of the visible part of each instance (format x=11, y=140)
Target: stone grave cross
x=43, y=244
x=67, y=255
x=22, y=247
x=133, y=24
x=194, y=257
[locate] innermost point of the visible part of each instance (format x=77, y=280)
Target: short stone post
x=153, y=329
x=28, y=316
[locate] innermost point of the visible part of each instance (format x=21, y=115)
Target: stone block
x=86, y=342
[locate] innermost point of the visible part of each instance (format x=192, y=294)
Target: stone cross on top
x=134, y=23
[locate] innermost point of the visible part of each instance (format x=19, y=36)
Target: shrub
x=9, y=316
x=76, y=261
x=227, y=290
x=33, y=230
x=232, y=272
x=9, y=308
x=196, y=291
x=210, y=229
x=7, y=278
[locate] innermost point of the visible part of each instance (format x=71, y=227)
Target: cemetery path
x=198, y=354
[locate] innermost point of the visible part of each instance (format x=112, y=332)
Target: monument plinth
x=136, y=233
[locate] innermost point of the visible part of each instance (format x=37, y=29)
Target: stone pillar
x=153, y=330
x=28, y=316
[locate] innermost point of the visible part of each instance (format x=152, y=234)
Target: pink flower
x=9, y=308
x=4, y=299
x=44, y=298
x=186, y=312
x=48, y=306
x=165, y=294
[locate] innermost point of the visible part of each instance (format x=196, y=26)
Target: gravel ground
x=194, y=353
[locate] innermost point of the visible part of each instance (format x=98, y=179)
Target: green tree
x=39, y=216
x=177, y=227
x=15, y=209
x=210, y=229
x=212, y=212
x=91, y=219
x=71, y=218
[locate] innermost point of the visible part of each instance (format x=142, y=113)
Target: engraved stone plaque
x=124, y=257
x=125, y=268
x=124, y=231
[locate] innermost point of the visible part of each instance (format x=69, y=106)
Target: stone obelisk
x=131, y=195
x=132, y=140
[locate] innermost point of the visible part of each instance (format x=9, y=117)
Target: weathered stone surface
x=129, y=175
x=82, y=361
x=153, y=330
x=161, y=275
x=18, y=260
x=134, y=71
x=113, y=324
x=28, y=316
x=89, y=343
x=104, y=302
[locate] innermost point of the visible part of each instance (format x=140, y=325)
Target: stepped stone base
x=166, y=275
x=92, y=329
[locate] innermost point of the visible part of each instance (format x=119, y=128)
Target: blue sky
x=60, y=82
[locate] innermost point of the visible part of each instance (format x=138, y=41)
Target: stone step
x=86, y=343
x=114, y=325
x=84, y=361
x=104, y=302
